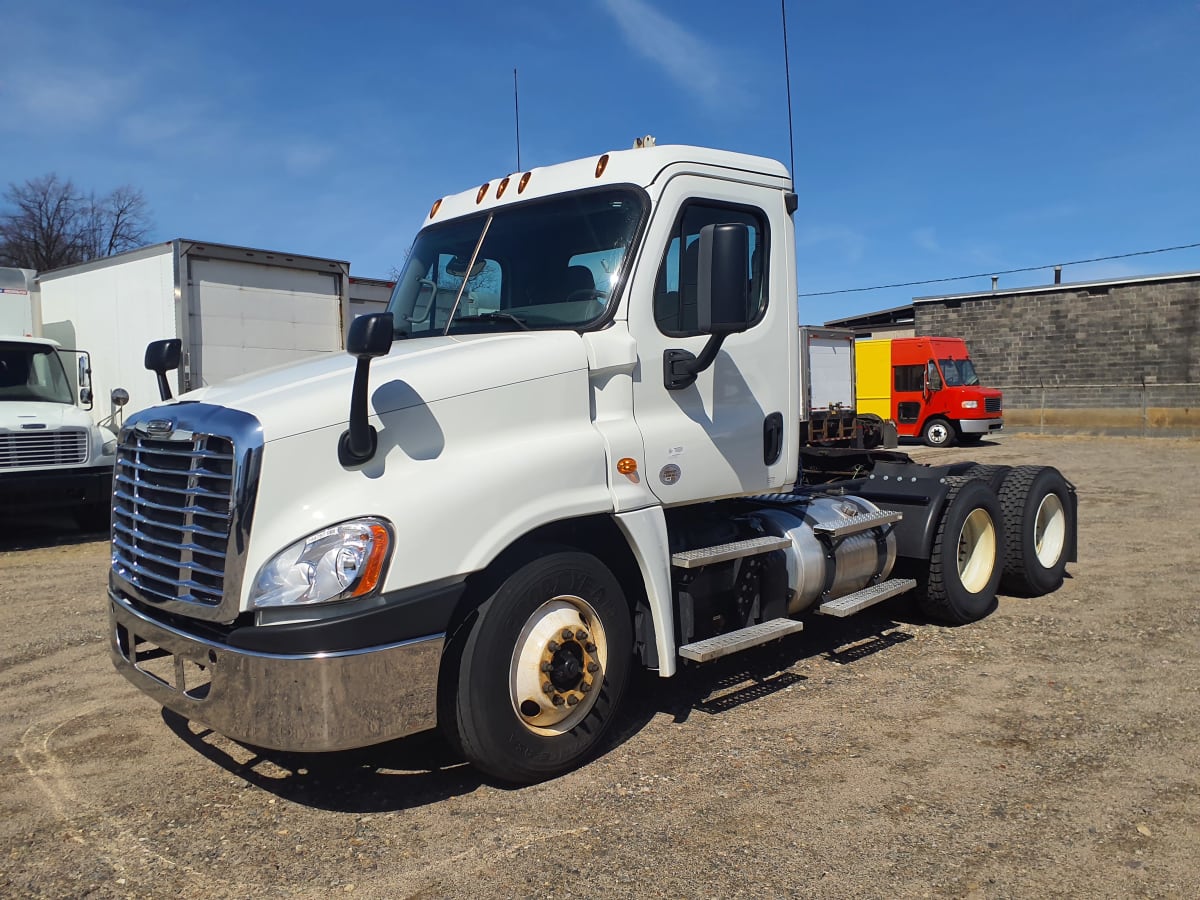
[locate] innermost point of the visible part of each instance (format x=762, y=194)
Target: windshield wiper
x=495, y=317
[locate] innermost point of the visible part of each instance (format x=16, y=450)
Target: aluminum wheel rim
x=976, y=551
x=1050, y=530
x=558, y=665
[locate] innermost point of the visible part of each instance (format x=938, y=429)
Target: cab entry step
x=855, y=524
x=868, y=596
x=707, y=556
x=742, y=639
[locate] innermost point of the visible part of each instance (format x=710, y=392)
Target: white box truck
x=570, y=447
x=235, y=309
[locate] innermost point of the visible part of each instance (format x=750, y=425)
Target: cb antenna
x=517, y=118
x=787, y=75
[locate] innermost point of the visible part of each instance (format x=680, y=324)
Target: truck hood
x=15, y=415
x=304, y=396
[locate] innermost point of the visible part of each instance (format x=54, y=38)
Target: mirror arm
x=680, y=367
x=359, y=441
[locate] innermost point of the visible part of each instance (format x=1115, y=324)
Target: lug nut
x=590, y=647
x=557, y=700
x=581, y=635
x=585, y=687
x=546, y=666
x=572, y=700
x=552, y=646
x=547, y=688
x=567, y=634
x=593, y=667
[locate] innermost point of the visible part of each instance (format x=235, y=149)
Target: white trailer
x=235, y=309
x=18, y=297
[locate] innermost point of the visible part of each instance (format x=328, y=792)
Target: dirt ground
x=1049, y=750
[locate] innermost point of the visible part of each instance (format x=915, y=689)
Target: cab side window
x=675, y=286
x=910, y=378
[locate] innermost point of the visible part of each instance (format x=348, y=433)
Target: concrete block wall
x=1120, y=357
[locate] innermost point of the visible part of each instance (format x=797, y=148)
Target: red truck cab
x=929, y=387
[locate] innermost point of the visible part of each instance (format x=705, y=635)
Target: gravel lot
x=1050, y=749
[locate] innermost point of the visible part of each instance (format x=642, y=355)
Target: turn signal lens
x=627, y=465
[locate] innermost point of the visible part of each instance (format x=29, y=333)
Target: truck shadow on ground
x=424, y=769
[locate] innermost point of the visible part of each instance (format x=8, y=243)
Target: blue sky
x=932, y=138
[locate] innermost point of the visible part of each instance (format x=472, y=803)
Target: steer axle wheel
x=531, y=685
x=937, y=432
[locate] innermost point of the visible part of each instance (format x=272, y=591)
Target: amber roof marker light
x=437, y=204
x=483, y=189
x=502, y=187
x=601, y=165
x=523, y=182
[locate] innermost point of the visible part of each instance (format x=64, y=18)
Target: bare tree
x=49, y=223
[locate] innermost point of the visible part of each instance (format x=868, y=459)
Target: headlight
x=336, y=563
x=970, y=404
x=109, y=448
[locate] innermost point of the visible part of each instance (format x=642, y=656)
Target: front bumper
x=56, y=488
x=296, y=702
x=980, y=426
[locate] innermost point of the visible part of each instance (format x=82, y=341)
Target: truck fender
x=646, y=532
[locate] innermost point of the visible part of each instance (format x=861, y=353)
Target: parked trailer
x=235, y=309
x=627, y=365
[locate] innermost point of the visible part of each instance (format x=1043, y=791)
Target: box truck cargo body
x=235, y=310
x=18, y=296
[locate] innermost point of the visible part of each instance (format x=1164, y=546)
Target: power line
x=1076, y=262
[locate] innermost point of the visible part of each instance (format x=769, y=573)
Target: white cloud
x=847, y=242
x=70, y=99
x=688, y=60
x=926, y=239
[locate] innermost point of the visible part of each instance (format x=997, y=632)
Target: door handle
x=772, y=438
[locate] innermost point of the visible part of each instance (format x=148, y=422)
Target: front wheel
x=542, y=669
x=938, y=433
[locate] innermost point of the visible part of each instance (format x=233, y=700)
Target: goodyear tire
x=967, y=557
x=541, y=670
x=937, y=432
x=1039, y=526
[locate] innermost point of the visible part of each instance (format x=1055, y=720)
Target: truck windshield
x=548, y=264
x=32, y=372
x=958, y=372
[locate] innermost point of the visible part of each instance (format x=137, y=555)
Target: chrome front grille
x=68, y=447
x=992, y=404
x=182, y=494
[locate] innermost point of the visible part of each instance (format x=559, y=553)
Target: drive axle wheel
x=1039, y=521
x=967, y=556
x=531, y=685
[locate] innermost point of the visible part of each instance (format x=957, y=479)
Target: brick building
x=1116, y=356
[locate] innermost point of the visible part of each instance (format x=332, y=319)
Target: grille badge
x=157, y=427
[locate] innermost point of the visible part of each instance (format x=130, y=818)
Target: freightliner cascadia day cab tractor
x=570, y=447
x=928, y=386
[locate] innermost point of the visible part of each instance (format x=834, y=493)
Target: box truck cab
x=929, y=387
x=52, y=454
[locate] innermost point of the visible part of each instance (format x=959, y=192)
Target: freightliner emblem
x=157, y=427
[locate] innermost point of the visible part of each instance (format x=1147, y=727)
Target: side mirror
x=723, y=288
x=722, y=300
x=85, y=380
x=370, y=337
x=162, y=357
x=119, y=397
x=933, y=378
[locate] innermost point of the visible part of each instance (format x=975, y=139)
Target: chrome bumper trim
x=980, y=426
x=301, y=703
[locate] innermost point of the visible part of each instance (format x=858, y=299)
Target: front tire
x=937, y=432
x=542, y=669
x=1039, y=524
x=967, y=557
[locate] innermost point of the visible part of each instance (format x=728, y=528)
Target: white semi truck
x=571, y=446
